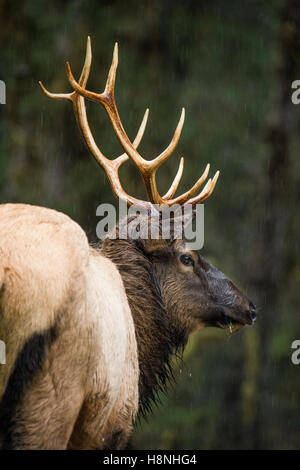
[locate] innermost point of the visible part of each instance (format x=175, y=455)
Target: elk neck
x=157, y=338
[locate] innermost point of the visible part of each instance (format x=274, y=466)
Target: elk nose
x=252, y=313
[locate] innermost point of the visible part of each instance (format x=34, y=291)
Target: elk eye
x=187, y=260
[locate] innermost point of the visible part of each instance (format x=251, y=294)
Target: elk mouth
x=227, y=319
x=226, y=322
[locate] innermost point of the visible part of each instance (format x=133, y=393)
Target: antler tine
x=206, y=192
x=191, y=192
x=111, y=78
x=87, y=64
x=155, y=164
x=56, y=96
x=122, y=158
x=212, y=187
x=176, y=181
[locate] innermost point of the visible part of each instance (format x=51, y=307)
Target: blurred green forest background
x=231, y=64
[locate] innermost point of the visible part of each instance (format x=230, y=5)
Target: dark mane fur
x=156, y=336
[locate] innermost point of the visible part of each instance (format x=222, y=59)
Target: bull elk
x=90, y=331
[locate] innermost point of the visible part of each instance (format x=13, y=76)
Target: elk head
x=194, y=293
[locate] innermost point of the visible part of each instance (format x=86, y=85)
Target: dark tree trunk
x=274, y=250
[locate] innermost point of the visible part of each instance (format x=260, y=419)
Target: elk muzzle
x=230, y=305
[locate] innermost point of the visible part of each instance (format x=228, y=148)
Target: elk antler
x=146, y=168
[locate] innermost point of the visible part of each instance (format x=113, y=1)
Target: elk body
x=90, y=331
